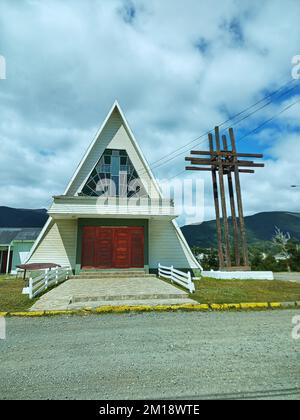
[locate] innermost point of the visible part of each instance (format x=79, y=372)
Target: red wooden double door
x=112, y=247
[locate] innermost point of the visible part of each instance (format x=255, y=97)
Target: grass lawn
x=245, y=291
x=207, y=291
x=11, y=298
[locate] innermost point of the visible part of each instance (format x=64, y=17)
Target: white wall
x=239, y=275
x=58, y=245
x=165, y=247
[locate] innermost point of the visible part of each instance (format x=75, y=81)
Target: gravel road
x=136, y=356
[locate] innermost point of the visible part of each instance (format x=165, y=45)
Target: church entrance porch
x=112, y=245
x=106, y=247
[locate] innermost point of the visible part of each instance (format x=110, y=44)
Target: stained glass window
x=114, y=176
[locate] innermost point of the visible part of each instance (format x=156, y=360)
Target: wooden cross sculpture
x=220, y=161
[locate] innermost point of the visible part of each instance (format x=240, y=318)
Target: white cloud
x=175, y=67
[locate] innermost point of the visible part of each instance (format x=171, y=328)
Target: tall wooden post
x=223, y=199
x=239, y=200
x=232, y=207
x=225, y=162
x=217, y=206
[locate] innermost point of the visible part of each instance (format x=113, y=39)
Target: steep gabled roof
x=86, y=165
x=105, y=136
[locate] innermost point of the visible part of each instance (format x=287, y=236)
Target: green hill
x=260, y=229
x=11, y=217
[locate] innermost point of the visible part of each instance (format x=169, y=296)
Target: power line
x=232, y=125
x=156, y=164
x=252, y=131
x=175, y=176
x=262, y=107
x=270, y=119
x=261, y=100
x=234, y=117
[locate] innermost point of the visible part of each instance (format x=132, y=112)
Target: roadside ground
x=237, y=291
x=180, y=355
x=208, y=291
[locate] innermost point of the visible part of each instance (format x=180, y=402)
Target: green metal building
x=15, y=246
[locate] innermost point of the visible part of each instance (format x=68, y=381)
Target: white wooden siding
x=113, y=135
x=185, y=246
x=58, y=245
x=90, y=206
x=165, y=245
x=166, y=248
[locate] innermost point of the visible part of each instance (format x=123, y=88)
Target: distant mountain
x=10, y=217
x=260, y=228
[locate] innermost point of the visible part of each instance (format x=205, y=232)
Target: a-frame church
x=112, y=215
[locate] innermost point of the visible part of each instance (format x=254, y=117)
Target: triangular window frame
x=114, y=175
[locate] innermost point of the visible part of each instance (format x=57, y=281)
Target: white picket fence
x=46, y=279
x=176, y=276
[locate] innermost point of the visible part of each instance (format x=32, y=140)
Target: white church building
x=112, y=215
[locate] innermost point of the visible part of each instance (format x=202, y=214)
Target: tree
x=281, y=240
x=207, y=257
x=294, y=256
x=211, y=260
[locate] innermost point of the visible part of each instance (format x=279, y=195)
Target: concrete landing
x=78, y=293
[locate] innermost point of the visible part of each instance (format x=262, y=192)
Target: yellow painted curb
x=27, y=314
x=60, y=312
x=119, y=309
x=202, y=307
x=163, y=308
x=263, y=305
x=216, y=307
x=236, y=306
x=146, y=308
x=225, y=306
x=275, y=305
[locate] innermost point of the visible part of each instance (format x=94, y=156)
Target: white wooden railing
x=45, y=279
x=183, y=279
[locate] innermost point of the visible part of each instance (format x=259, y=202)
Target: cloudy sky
x=177, y=68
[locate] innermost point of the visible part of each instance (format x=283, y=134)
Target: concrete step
x=122, y=275
x=126, y=271
x=86, y=292
x=148, y=302
x=127, y=297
